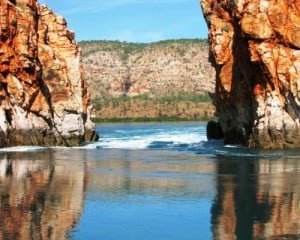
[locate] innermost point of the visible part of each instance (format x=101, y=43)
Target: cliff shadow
x=235, y=84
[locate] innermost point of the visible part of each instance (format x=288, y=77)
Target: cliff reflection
x=257, y=199
x=39, y=197
x=168, y=177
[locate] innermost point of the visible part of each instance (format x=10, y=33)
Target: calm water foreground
x=149, y=181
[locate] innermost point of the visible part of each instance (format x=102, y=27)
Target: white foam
x=182, y=138
x=142, y=139
x=126, y=144
x=232, y=146
x=143, y=142
x=22, y=149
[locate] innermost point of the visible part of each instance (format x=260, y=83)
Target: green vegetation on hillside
x=105, y=100
x=182, y=106
x=92, y=46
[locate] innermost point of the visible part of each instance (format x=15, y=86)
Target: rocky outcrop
x=255, y=48
x=214, y=130
x=156, y=69
x=159, y=80
x=43, y=94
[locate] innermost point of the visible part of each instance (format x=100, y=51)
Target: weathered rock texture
x=155, y=69
x=156, y=78
x=255, y=48
x=43, y=96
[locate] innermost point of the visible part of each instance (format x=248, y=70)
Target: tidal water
x=149, y=181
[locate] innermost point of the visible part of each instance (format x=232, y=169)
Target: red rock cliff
x=43, y=97
x=255, y=48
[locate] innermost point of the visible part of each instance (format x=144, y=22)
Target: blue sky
x=132, y=20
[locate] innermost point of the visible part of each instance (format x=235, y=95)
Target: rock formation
x=156, y=78
x=255, y=48
x=214, y=130
x=156, y=69
x=43, y=94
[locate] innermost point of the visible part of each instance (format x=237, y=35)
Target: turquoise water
x=149, y=181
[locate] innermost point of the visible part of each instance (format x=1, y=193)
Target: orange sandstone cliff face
x=255, y=48
x=43, y=97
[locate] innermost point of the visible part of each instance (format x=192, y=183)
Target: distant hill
x=147, y=71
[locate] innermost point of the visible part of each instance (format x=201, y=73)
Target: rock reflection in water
x=167, y=177
x=257, y=199
x=39, y=198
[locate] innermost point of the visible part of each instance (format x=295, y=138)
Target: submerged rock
x=43, y=93
x=255, y=49
x=214, y=130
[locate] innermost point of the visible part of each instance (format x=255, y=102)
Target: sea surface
x=149, y=181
